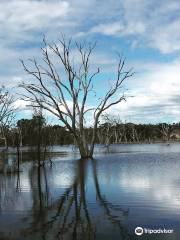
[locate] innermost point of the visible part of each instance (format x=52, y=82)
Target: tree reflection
x=9, y=180
x=70, y=216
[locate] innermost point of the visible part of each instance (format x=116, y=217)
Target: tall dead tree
x=63, y=85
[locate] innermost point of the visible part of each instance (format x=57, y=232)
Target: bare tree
x=6, y=112
x=115, y=123
x=105, y=131
x=53, y=90
x=166, y=131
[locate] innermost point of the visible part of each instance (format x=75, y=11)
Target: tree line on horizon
x=37, y=132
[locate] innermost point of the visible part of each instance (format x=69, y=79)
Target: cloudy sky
x=146, y=32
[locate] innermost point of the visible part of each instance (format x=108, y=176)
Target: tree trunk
x=84, y=150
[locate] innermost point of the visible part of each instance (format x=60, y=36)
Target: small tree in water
x=64, y=84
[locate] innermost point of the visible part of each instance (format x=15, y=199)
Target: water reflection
x=63, y=212
x=69, y=216
x=102, y=198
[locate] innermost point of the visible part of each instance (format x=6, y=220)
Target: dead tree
x=166, y=131
x=56, y=87
x=115, y=130
x=7, y=111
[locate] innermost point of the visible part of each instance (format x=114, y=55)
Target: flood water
x=104, y=198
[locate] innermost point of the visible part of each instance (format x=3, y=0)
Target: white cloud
x=156, y=96
x=166, y=38
x=108, y=29
x=119, y=29
x=26, y=14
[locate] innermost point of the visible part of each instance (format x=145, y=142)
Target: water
x=103, y=198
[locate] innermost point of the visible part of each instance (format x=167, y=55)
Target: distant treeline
x=36, y=132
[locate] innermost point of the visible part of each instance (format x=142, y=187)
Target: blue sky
x=146, y=32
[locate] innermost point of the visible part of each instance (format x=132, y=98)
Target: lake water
x=105, y=198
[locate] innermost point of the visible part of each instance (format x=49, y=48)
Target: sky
x=146, y=32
